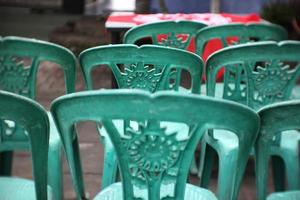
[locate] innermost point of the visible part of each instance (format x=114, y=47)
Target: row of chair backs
x=256, y=74
x=177, y=34
x=149, y=156
x=150, y=68
x=145, y=72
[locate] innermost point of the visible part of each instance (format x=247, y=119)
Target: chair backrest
x=256, y=74
x=20, y=59
x=151, y=157
x=177, y=34
x=148, y=67
x=275, y=119
x=33, y=118
x=232, y=34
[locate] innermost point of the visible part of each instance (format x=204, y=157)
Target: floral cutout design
x=270, y=81
x=234, y=83
x=140, y=76
x=152, y=152
x=14, y=76
x=172, y=40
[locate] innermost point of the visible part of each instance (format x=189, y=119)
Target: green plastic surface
x=256, y=74
x=276, y=119
x=292, y=195
x=148, y=67
x=228, y=35
x=20, y=59
x=153, y=159
x=139, y=67
x=177, y=34
x=33, y=118
x=235, y=33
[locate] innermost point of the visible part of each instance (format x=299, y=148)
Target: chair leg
x=110, y=165
x=55, y=172
x=291, y=163
x=207, y=158
x=278, y=173
x=227, y=174
x=288, y=152
x=6, y=160
x=261, y=170
x=193, y=167
x=78, y=168
x=55, y=167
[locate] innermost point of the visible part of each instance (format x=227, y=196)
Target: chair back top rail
x=176, y=34
x=237, y=33
x=147, y=67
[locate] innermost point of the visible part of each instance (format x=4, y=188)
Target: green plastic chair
x=33, y=118
x=177, y=34
x=228, y=35
x=256, y=74
x=275, y=119
x=236, y=33
x=222, y=36
x=151, y=68
x=154, y=160
x=19, y=64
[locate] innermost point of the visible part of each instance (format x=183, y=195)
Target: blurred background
x=79, y=24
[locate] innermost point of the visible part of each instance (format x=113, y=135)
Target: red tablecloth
x=128, y=20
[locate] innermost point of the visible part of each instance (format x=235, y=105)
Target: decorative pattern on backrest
x=177, y=34
x=20, y=59
x=15, y=74
x=266, y=72
x=154, y=157
x=234, y=34
x=234, y=87
x=141, y=76
x=180, y=41
x=149, y=67
x=271, y=79
x=19, y=62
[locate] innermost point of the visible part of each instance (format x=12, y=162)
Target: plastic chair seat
x=13, y=188
x=292, y=195
x=114, y=192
